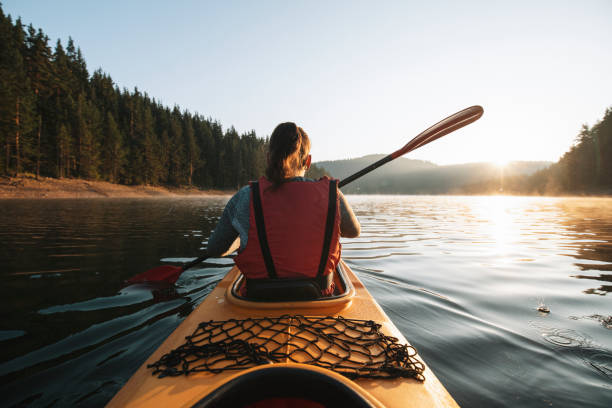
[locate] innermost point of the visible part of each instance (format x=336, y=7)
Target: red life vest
x=299, y=228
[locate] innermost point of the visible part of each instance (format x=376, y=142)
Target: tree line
x=57, y=120
x=587, y=166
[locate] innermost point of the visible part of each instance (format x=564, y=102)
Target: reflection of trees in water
x=603, y=289
x=591, y=221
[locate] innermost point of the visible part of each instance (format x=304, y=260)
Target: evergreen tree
x=78, y=78
x=177, y=151
x=113, y=155
x=57, y=148
x=63, y=152
x=87, y=125
x=150, y=149
x=203, y=139
x=38, y=62
x=16, y=97
x=192, y=157
x=216, y=156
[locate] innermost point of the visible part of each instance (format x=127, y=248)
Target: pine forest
x=57, y=120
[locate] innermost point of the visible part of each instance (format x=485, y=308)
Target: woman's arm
x=225, y=236
x=349, y=225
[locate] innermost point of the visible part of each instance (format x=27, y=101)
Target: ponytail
x=287, y=152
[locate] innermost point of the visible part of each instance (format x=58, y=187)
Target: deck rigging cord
x=351, y=347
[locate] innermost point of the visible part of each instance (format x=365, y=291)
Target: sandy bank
x=44, y=187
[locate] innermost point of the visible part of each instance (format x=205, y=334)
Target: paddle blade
x=166, y=273
x=443, y=127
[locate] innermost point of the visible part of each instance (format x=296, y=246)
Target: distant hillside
x=344, y=168
x=406, y=176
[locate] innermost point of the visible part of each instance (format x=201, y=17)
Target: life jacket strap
x=329, y=225
x=261, y=231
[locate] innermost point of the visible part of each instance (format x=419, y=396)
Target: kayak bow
x=292, y=381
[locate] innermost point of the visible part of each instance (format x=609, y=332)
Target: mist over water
x=506, y=298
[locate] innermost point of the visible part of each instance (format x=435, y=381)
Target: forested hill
x=585, y=169
x=344, y=168
x=57, y=120
x=406, y=176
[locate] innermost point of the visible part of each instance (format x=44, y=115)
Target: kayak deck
x=145, y=389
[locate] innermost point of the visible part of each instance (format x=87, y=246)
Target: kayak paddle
x=170, y=274
x=444, y=127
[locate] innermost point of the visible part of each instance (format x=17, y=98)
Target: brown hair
x=288, y=151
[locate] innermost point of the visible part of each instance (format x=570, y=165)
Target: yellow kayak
x=336, y=351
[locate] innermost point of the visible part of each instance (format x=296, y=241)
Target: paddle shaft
x=194, y=262
x=233, y=247
x=365, y=171
x=444, y=127
x=171, y=273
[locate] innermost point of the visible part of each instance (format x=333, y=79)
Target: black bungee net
x=354, y=348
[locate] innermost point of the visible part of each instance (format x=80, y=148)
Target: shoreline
x=27, y=187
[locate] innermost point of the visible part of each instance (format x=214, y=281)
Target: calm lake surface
x=462, y=278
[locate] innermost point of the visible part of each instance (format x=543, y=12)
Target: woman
x=289, y=226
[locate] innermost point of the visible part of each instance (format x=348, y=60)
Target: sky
x=361, y=77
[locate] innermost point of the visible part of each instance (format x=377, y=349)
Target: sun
x=500, y=161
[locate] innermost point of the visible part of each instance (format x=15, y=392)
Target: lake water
x=462, y=277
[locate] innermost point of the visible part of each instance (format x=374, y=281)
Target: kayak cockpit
x=287, y=385
x=280, y=293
